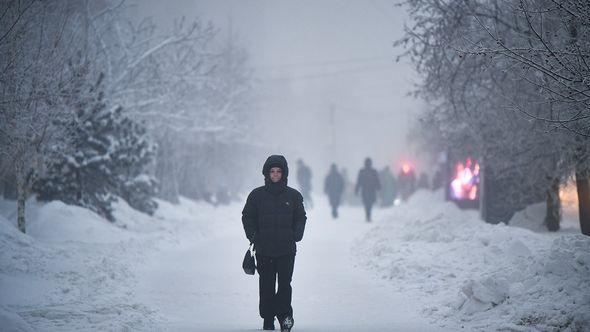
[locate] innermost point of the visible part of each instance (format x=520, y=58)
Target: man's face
x=276, y=173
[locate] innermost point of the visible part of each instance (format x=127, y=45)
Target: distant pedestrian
x=304, y=180
x=334, y=187
x=438, y=179
x=423, y=181
x=388, y=191
x=406, y=181
x=368, y=184
x=348, y=197
x=274, y=219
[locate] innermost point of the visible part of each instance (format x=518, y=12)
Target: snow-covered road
x=198, y=284
x=425, y=262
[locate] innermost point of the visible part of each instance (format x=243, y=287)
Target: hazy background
x=129, y=139
x=326, y=84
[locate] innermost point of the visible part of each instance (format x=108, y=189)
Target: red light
x=406, y=168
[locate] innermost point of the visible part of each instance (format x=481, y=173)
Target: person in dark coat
x=334, y=187
x=438, y=179
x=388, y=191
x=368, y=184
x=423, y=181
x=274, y=220
x=304, y=180
x=406, y=180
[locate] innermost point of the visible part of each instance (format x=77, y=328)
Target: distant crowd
x=371, y=185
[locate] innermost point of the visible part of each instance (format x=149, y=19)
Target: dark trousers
x=368, y=207
x=334, y=211
x=307, y=198
x=334, y=203
x=275, y=302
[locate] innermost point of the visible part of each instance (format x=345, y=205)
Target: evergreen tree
x=133, y=153
x=105, y=158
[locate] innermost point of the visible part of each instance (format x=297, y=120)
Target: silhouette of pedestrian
x=388, y=191
x=304, y=180
x=334, y=187
x=368, y=184
x=406, y=181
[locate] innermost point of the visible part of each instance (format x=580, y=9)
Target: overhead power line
x=326, y=74
x=327, y=62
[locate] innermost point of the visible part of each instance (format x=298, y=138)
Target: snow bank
x=59, y=222
x=480, y=275
x=74, y=270
x=533, y=216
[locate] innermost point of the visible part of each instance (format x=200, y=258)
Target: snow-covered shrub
x=139, y=193
x=106, y=157
x=134, y=152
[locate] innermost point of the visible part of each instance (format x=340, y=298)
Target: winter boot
x=287, y=324
x=269, y=324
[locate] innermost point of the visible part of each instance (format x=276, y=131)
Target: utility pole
x=333, y=132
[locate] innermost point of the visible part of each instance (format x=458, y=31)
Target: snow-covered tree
x=37, y=39
x=198, y=79
x=107, y=157
x=184, y=86
x=495, y=88
x=134, y=155
x=82, y=174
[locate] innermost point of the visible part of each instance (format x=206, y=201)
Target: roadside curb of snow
x=76, y=270
x=470, y=273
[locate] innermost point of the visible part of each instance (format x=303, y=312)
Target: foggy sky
x=310, y=57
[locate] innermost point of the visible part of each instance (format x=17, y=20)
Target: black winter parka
x=274, y=217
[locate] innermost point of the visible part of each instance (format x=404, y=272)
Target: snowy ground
x=480, y=276
x=423, y=266
x=199, y=285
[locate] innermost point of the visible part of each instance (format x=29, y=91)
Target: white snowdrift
x=74, y=270
x=532, y=218
x=58, y=222
x=479, y=275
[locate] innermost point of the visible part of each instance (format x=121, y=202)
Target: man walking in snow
x=334, y=187
x=368, y=184
x=304, y=179
x=388, y=191
x=274, y=219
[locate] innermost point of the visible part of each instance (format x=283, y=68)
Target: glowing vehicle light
x=406, y=168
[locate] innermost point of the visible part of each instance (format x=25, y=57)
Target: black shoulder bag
x=249, y=265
